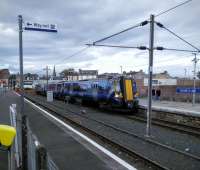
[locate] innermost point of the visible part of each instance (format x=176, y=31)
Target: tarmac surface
x=4, y=119
x=179, y=107
x=67, y=150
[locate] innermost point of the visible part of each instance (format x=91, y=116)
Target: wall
x=169, y=93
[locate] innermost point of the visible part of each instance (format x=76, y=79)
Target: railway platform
x=4, y=119
x=173, y=107
x=68, y=148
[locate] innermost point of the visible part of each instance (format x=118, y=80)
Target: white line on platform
x=104, y=150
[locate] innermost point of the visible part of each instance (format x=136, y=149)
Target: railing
x=3, y=91
x=36, y=156
x=15, y=162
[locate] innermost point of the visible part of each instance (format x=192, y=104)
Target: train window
x=154, y=81
x=95, y=86
x=83, y=87
x=59, y=86
x=76, y=87
x=100, y=87
x=51, y=86
x=67, y=87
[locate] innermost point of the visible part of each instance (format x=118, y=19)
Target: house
x=4, y=77
x=137, y=74
x=87, y=74
x=109, y=75
x=72, y=75
x=29, y=76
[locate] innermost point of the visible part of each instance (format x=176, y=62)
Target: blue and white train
x=118, y=92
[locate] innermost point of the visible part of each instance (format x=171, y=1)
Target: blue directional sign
x=187, y=90
x=40, y=27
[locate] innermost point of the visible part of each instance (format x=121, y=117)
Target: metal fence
x=3, y=91
x=36, y=156
x=16, y=153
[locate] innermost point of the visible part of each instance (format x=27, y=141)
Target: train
x=116, y=92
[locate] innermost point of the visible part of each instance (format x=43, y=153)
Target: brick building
x=4, y=77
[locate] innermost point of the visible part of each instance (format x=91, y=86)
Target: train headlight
x=116, y=95
x=136, y=94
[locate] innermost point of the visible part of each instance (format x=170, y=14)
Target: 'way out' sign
x=40, y=27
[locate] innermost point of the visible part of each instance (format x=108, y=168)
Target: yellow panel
x=129, y=90
x=7, y=134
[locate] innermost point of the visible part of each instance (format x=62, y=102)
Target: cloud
x=80, y=22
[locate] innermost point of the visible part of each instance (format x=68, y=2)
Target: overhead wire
x=120, y=32
x=125, y=30
x=175, y=49
x=173, y=33
x=118, y=46
x=140, y=24
x=163, y=12
x=160, y=62
x=74, y=54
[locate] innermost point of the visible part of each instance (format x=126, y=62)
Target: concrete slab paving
x=181, y=107
x=4, y=119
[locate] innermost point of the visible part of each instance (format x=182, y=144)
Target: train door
x=126, y=85
x=95, y=91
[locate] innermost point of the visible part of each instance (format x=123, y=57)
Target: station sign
x=49, y=96
x=33, y=26
x=187, y=90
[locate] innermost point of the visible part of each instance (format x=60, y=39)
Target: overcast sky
x=80, y=22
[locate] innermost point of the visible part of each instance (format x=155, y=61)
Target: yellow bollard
x=7, y=135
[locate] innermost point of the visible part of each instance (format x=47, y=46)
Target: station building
x=167, y=84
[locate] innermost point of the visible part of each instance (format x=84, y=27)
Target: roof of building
x=88, y=72
x=164, y=75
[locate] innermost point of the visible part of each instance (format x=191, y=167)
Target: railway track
x=148, y=143
x=174, y=125
x=195, y=131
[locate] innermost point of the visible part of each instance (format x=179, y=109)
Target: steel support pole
x=47, y=74
x=20, y=21
x=23, y=127
x=194, y=79
x=151, y=46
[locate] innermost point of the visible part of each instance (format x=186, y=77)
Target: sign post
x=31, y=27
x=20, y=21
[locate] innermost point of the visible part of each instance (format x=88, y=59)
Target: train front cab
x=128, y=88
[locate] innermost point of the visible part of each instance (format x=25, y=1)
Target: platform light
x=7, y=135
